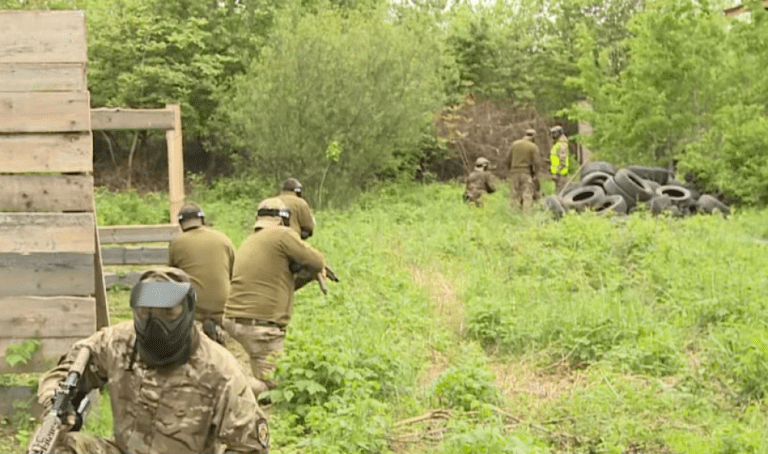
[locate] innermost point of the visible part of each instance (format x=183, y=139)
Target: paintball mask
x=163, y=315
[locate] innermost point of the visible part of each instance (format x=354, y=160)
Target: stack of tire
x=606, y=189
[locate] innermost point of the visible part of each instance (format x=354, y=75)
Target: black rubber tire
x=653, y=185
x=554, y=204
x=583, y=198
x=658, y=174
x=611, y=188
x=634, y=186
x=569, y=187
x=596, y=178
x=611, y=204
x=678, y=195
x=658, y=204
x=597, y=166
x=709, y=204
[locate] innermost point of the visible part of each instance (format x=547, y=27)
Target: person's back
x=523, y=157
x=523, y=166
x=302, y=221
x=207, y=255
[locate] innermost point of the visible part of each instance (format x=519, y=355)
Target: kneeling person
x=172, y=389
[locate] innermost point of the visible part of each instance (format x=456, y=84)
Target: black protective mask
x=160, y=342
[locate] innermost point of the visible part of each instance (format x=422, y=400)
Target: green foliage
x=21, y=353
x=486, y=439
x=130, y=208
x=349, y=77
x=468, y=385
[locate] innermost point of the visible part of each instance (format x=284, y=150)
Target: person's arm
x=489, y=186
x=95, y=375
x=306, y=221
x=241, y=425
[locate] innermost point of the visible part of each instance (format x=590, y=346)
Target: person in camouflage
x=479, y=182
x=261, y=296
x=172, y=389
x=207, y=256
x=523, y=165
x=302, y=221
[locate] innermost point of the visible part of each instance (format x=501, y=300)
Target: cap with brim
x=159, y=294
x=530, y=132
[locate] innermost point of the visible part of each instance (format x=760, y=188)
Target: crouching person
x=172, y=389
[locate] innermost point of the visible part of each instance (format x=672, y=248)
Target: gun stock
x=62, y=407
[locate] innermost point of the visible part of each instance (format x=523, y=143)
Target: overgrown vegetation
x=586, y=335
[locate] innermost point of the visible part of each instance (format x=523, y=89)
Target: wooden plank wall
x=48, y=242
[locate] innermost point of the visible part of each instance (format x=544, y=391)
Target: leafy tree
x=343, y=77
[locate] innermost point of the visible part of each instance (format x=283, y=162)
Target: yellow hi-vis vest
x=554, y=160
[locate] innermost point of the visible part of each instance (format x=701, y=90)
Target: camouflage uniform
x=479, y=182
x=260, y=301
x=201, y=406
x=207, y=256
x=302, y=221
x=523, y=165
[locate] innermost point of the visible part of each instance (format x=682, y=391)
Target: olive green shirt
x=523, y=157
x=262, y=279
x=207, y=255
x=301, y=215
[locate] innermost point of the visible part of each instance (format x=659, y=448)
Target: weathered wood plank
x=116, y=118
x=134, y=256
x=71, y=152
x=46, y=193
x=42, y=274
x=44, y=112
x=43, y=77
x=47, y=232
x=43, y=37
x=44, y=358
x=121, y=234
x=99, y=286
x=173, y=139
x=37, y=316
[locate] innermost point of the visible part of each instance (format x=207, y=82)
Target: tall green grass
x=650, y=330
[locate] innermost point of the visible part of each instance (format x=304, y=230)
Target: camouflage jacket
x=479, y=181
x=203, y=406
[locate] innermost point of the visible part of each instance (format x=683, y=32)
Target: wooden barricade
x=135, y=255
x=50, y=265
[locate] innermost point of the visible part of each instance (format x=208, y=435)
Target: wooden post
x=175, y=164
x=100, y=287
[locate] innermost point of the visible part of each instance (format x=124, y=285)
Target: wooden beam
x=134, y=256
x=42, y=37
x=72, y=152
x=22, y=77
x=122, y=234
x=740, y=9
x=99, y=286
x=175, y=164
x=44, y=112
x=46, y=232
x=46, y=274
x=46, y=193
x=115, y=118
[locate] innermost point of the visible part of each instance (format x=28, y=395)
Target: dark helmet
x=163, y=304
x=191, y=215
x=271, y=212
x=482, y=163
x=292, y=184
x=556, y=131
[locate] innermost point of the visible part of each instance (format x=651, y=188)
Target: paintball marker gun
x=69, y=408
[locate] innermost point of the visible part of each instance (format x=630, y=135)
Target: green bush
x=130, y=208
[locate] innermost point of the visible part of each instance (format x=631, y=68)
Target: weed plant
x=646, y=333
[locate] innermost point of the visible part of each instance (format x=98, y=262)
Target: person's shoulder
x=216, y=357
x=218, y=234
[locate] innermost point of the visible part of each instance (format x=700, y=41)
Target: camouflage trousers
x=521, y=191
x=560, y=182
x=264, y=344
x=80, y=443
